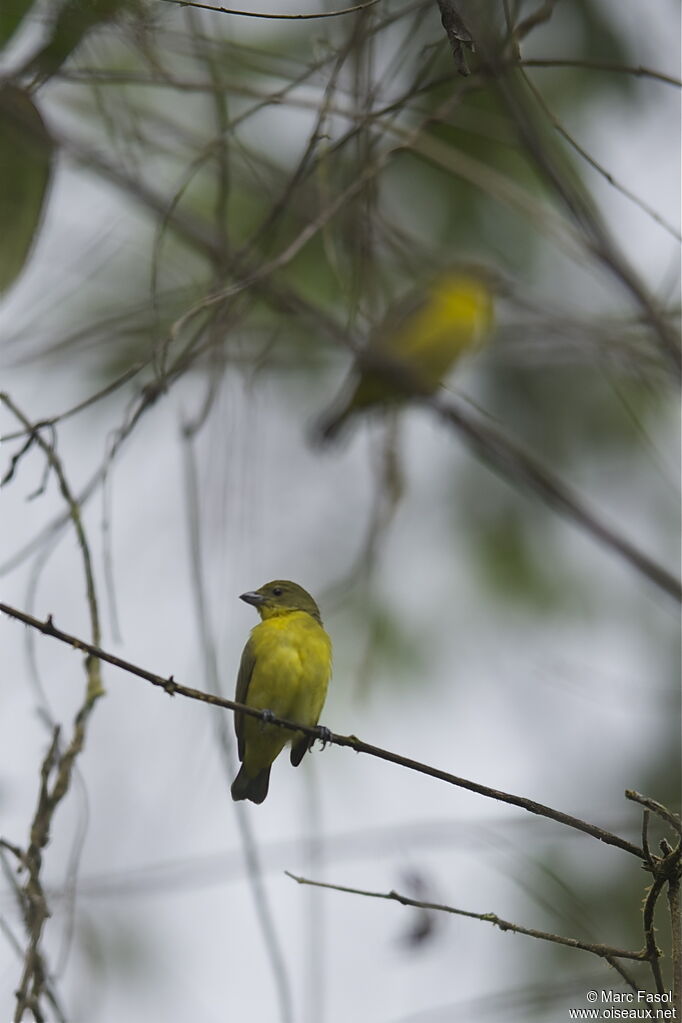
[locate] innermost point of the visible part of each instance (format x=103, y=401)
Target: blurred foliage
x=259, y=173
x=612, y=410
x=12, y=13
x=71, y=21
x=26, y=152
x=245, y=142
x=239, y=144
x=509, y=560
x=393, y=653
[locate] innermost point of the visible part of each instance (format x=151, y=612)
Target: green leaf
x=26, y=151
x=11, y=14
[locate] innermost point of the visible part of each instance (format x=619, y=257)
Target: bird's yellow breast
x=292, y=667
x=455, y=317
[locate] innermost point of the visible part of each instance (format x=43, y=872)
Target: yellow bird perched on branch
x=285, y=668
x=416, y=345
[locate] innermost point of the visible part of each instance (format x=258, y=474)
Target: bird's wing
x=246, y=666
x=389, y=335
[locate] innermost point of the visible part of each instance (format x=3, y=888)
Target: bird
x=285, y=669
x=415, y=346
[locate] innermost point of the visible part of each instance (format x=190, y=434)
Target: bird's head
x=281, y=597
x=464, y=296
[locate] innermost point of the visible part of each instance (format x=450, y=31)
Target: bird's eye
x=277, y=591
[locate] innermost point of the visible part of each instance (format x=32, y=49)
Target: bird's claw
x=266, y=718
x=324, y=735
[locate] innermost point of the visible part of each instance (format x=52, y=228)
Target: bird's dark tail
x=246, y=787
x=299, y=749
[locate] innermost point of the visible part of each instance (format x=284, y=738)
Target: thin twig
x=280, y=17
x=652, y=952
x=596, y=235
x=114, y=385
x=15, y=850
x=582, y=152
x=645, y=839
x=625, y=974
x=34, y=905
x=539, y=16
x=75, y=515
x=602, y=65
x=34, y=980
x=604, y=951
x=667, y=815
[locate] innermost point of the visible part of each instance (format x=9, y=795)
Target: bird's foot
x=324, y=735
x=266, y=718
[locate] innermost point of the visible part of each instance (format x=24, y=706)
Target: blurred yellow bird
x=417, y=344
x=285, y=668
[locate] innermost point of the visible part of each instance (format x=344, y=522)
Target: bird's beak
x=252, y=598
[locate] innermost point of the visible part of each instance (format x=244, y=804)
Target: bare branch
x=586, y=217
x=651, y=804
x=582, y=152
x=280, y=17
x=92, y=399
x=652, y=952
x=34, y=980
x=599, y=65
x=170, y=686
x=604, y=951
x=517, y=465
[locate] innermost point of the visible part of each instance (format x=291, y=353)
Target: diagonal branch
x=604, y=951
x=170, y=686
x=521, y=468
x=673, y=819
